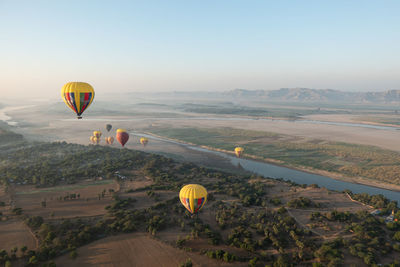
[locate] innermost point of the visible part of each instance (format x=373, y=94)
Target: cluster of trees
x=249, y=225
x=48, y=164
x=302, y=202
x=221, y=255
x=370, y=241
x=7, y=137
x=274, y=229
x=377, y=201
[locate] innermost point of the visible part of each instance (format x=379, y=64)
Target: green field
x=348, y=159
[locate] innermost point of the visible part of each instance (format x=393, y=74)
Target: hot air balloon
x=108, y=127
x=239, y=151
x=96, y=140
x=144, y=141
x=193, y=197
x=97, y=134
x=77, y=96
x=122, y=136
x=110, y=140
x=92, y=139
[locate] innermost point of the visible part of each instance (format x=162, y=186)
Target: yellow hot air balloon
x=96, y=140
x=239, y=151
x=92, y=139
x=77, y=96
x=144, y=141
x=97, y=134
x=109, y=140
x=193, y=197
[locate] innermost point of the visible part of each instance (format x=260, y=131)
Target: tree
x=23, y=249
x=73, y=254
x=33, y=261
x=397, y=236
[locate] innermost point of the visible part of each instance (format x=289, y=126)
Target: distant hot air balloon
x=92, y=139
x=108, y=127
x=239, y=151
x=110, y=140
x=193, y=197
x=144, y=141
x=96, y=140
x=97, y=134
x=77, y=96
x=122, y=136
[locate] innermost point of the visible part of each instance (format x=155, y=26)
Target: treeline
x=377, y=201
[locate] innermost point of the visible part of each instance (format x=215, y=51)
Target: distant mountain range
x=317, y=95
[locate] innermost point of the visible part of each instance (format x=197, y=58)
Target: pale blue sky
x=198, y=45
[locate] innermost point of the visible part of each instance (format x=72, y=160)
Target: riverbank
x=336, y=176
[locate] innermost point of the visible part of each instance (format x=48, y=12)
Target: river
x=273, y=171
x=6, y=118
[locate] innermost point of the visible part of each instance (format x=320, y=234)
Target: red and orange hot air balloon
x=122, y=136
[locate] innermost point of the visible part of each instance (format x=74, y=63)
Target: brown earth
x=30, y=198
x=14, y=233
x=134, y=250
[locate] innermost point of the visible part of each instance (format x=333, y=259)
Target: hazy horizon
x=191, y=46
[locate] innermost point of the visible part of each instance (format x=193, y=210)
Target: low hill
x=318, y=95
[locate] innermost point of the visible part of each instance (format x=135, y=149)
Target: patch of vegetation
x=302, y=202
x=243, y=218
x=348, y=159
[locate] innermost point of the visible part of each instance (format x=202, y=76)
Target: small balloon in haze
x=92, y=139
x=77, y=96
x=122, y=136
x=108, y=127
x=110, y=140
x=97, y=134
x=96, y=140
x=144, y=141
x=239, y=151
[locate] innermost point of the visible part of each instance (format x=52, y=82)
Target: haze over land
x=167, y=93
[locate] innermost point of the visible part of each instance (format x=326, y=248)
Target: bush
x=187, y=263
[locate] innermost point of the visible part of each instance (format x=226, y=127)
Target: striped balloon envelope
x=77, y=96
x=193, y=197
